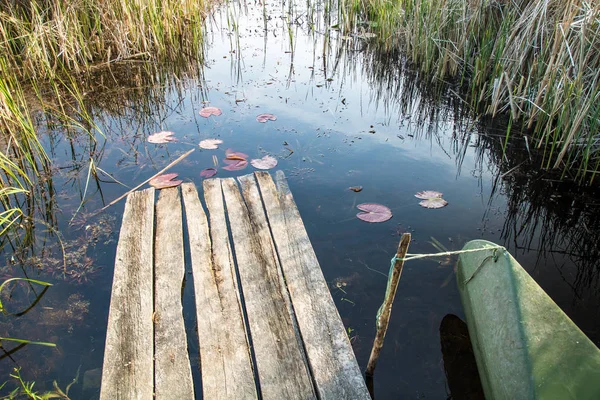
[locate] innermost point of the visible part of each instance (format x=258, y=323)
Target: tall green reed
x=48, y=49
x=536, y=61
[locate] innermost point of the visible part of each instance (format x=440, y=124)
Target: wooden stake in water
x=386, y=308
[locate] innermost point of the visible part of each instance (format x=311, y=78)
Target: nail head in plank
x=172, y=371
x=224, y=354
x=128, y=365
x=280, y=366
x=329, y=352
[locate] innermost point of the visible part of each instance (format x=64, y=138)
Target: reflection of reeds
x=50, y=53
x=538, y=61
x=543, y=215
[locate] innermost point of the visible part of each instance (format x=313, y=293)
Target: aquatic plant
x=26, y=389
x=49, y=51
x=536, y=61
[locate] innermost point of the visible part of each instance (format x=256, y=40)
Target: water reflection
x=348, y=115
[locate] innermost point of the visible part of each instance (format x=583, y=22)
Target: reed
x=538, y=62
x=41, y=38
x=48, y=51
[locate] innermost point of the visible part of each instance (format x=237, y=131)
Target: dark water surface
x=346, y=116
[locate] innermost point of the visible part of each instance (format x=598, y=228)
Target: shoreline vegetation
x=536, y=61
x=49, y=52
x=47, y=48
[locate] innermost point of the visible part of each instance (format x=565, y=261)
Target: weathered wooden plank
x=128, y=371
x=332, y=361
x=279, y=362
x=172, y=371
x=224, y=353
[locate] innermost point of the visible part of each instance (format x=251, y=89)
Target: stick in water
x=386, y=311
x=181, y=157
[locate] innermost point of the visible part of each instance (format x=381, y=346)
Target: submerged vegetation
x=537, y=61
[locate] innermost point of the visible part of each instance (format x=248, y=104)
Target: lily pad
x=165, y=181
x=236, y=165
x=431, y=199
x=266, y=117
x=373, y=212
x=210, y=144
x=208, y=172
x=267, y=162
x=162, y=137
x=235, y=155
x=208, y=111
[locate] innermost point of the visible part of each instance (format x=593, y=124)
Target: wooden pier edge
x=128, y=371
x=330, y=355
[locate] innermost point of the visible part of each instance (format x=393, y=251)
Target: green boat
x=525, y=345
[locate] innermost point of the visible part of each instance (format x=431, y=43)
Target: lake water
x=347, y=115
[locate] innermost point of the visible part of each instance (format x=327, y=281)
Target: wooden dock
x=267, y=325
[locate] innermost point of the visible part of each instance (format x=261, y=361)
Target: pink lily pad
x=235, y=155
x=431, y=199
x=266, y=117
x=162, y=137
x=210, y=144
x=427, y=194
x=208, y=111
x=165, y=181
x=437, y=202
x=208, y=172
x=267, y=162
x=238, y=165
x=373, y=212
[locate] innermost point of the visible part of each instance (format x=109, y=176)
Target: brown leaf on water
x=165, y=181
x=236, y=165
x=235, y=155
x=208, y=172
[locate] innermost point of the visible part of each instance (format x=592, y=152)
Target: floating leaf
x=431, y=199
x=236, y=165
x=266, y=117
x=165, y=181
x=208, y=111
x=162, y=137
x=235, y=155
x=267, y=162
x=355, y=188
x=210, y=144
x=208, y=172
x=427, y=194
x=437, y=202
x=373, y=212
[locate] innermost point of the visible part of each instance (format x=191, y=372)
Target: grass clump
x=537, y=61
x=42, y=37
